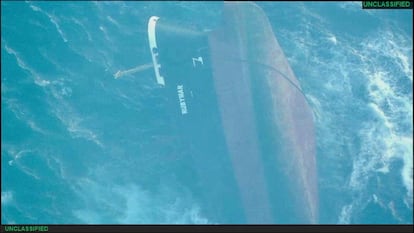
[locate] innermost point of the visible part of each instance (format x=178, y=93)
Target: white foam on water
x=394, y=212
x=22, y=64
x=315, y=107
x=55, y=20
x=351, y=5
x=6, y=197
x=23, y=114
x=332, y=38
x=388, y=135
x=56, y=166
x=380, y=60
x=345, y=215
x=17, y=155
x=35, y=8
x=105, y=33
x=113, y=21
x=65, y=113
x=145, y=208
x=310, y=15
x=52, y=18
x=80, y=24
x=62, y=109
x=130, y=204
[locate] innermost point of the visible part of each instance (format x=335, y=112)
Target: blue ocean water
x=79, y=146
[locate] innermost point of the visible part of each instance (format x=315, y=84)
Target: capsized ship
x=240, y=109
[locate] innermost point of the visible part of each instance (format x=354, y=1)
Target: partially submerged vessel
x=240, y=109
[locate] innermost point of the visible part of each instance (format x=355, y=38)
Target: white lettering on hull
x=181, y=98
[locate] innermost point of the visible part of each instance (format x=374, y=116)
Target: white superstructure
x=154, y=49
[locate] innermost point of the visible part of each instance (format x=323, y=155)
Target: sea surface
x=78, y=146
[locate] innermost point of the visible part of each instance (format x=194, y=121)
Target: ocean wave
x=23, y=114
x=387, y=135
x=105, y=33
x=22, y=64
x=58, y=91
x=81, y=25
x=52, y=18
x=130, y=204
x=16, y=161
x=382, y=62
x=371, y=82
x=113, y=21
x=60, y=107
x=73, y=122
x=391, y=105
x=7, y=197
x=345, y=215
x=352, y=6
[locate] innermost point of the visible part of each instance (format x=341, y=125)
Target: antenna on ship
x=139, y=68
